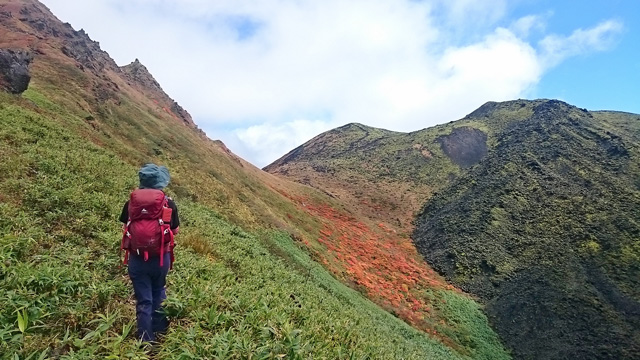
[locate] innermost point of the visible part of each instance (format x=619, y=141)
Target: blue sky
x=607, y=80
x=265, y=76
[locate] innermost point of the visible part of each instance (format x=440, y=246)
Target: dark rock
x=465, y=146
x=181, y=113
x=14, y=70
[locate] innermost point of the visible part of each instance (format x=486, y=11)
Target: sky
x=265, y=76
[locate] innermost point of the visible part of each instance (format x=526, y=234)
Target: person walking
x=150, y=221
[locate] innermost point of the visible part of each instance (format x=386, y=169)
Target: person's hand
x=176, y=230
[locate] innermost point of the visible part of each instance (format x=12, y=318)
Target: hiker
x=150, y=221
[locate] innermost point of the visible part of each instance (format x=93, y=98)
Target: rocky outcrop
x=137, y=75
x=87, y=53
x=43, y=25
x=14, y=70
x=182, y=114
x=30, y=24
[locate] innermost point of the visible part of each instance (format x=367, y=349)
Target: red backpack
x=148, y=230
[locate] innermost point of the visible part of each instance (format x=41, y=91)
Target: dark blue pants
x=148, y=280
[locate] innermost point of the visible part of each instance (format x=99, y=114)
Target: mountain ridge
x=34, y=27
x=138, y=74
x=552, y=234
x=408, y=166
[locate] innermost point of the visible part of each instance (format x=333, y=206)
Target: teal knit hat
x=153, y=176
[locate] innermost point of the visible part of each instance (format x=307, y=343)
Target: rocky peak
x=33, y=24
x=138, y=75
x=30, y=25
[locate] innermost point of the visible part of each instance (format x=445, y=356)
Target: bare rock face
x=87, y=53
x=14, y=70
x=465, y=146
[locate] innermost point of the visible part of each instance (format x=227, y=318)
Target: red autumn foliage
x=379, y=263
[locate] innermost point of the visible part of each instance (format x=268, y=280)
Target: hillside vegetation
x=545, y=230
x=387, y=176
x=530, y=205
x=247, y=282
x=65, y=294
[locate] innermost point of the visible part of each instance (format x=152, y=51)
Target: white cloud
x=556, y=48
x=523, y=26
x=473, y=13
x=249, y=71
x=498, y=68
x=264, y=142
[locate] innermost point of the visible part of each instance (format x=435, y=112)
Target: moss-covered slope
x=545, y=230
x=387, y=175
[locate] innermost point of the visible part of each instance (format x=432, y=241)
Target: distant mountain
x=530, y=205
x=371, y=169
x=389, y=175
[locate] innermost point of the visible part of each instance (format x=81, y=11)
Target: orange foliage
x=383, y=265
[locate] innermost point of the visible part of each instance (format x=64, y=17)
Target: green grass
x=237, y=298
x=236, y=291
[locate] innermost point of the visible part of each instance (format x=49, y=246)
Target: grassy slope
x=545, y=230
x=70, y=155
x=60, y=197
x=366, y=243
